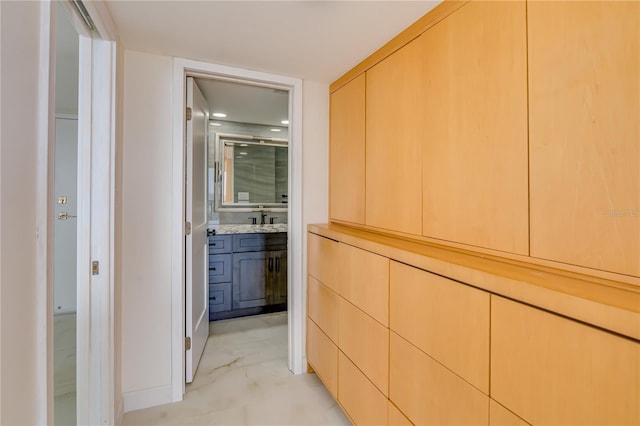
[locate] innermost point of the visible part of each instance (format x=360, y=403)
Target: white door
x=65, y=223
x=196, y=249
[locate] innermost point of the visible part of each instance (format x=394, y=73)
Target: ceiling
x=244, y=103
x=312, y=40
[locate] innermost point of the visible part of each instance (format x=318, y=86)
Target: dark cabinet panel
x=219, y=244
x=219, y=297
x=250, y=272
x=280, y=277
x=259, y=242
x=219, y=268
x=247, y=274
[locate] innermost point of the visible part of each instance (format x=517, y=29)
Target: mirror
x=252, y=172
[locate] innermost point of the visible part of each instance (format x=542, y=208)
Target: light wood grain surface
x=584, y=110
x=347, y=152
x=550, y=370
x=475, y=153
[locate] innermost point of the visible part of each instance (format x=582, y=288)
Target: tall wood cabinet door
x=584, y=96
x=475, y=177
x=554, y=371
x=346, y=152
x=394, y=123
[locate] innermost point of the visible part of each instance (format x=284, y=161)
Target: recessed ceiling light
x=242, y=153
x=285, y=121
x=219, y=114
x=243, y=144
x=275, y=130
x=215, y=124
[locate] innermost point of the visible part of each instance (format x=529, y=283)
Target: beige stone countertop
x=248, y=228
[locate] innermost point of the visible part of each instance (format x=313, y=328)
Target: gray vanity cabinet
x=219, y=274
x=258, y=269
x=256, y=266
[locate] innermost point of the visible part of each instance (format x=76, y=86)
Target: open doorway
x=292, y=89
x=65, y=219
x=236, y=208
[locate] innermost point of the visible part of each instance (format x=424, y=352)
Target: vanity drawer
x=219, y=244
x=259, y=242
x=219, y=297
x=219, y=268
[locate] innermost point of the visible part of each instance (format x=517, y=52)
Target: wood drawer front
x=323, y=307
x=347, y=151
x=259, y=242
x=428, y=393
x=396, y=418
x=445, y=319
x=219, y=297
x=365, y=281
x=552, y=370
x=322, y=355
x=366, y=342
x=324, y=261
x=219, y=268
x=361, y=400
x=500, y=416
x=219, y=244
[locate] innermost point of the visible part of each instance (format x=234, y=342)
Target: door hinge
x=187, y=228
x=188, y=113
x=187, y=343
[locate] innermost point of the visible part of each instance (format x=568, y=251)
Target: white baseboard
x=145, y=398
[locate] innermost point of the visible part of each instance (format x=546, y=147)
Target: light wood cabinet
x=323, y=263
x=323, y=307
x=362, y=401
x=430, y=394
x=551, y=370
x=500, y=416
x=322, y=355
x=394, y=131
x=445, y=319
x=584, y=133
x=366, y=342
x=346, y=152
x=365, y=281
x=474, y=169
x=396, y=418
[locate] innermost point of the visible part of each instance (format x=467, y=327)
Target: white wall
x=146, y=226
x=19, y=66
x=315, y=164
x=146, y=245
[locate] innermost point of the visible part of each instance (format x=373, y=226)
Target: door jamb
x=182, y=68
x=96, y=214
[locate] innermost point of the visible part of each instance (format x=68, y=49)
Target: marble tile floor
x=64, y=369
x=243, y=379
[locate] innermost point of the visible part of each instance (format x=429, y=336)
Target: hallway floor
x=243, y=379
x=64, y=369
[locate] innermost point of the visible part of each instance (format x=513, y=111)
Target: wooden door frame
x=296, y=309
x=96, y=403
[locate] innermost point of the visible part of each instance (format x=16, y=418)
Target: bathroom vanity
x=247, y=270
